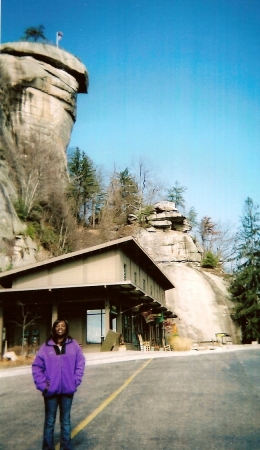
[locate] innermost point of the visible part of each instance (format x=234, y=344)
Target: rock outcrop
x=166, y=238
x=39, y=84
x=166, y=216
x=200, y=299
x=38, y=90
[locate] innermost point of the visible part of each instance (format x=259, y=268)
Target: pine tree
x=34, y=34
x=191, y=216
x=175, y=195
x=245, y=288
x=128, y=192
x=85, y=186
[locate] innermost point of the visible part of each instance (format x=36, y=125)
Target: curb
x=94, y=359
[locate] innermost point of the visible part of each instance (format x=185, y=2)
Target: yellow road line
x=103, y=405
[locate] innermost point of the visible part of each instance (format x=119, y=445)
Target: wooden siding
x=103, y=268
x=141, y=279
x=107, y=267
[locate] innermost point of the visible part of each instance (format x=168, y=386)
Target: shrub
x=30, y=231
x=179, y=344
x=209, y=261
x=21, y=209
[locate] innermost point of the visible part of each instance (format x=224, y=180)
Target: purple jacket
x=58, y=372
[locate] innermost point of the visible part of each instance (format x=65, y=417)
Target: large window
x=95, y=326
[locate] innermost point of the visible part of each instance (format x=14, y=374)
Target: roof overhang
x=126, y=293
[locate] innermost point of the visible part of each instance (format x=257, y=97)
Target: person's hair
x=53, y=331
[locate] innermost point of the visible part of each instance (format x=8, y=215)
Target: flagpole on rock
x=59, y=35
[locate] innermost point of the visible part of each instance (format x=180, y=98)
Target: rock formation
x=38, y=91
x=200, y=299
x=166, y=238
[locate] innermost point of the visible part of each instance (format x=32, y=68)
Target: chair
x=166, y=347
x=144, y=345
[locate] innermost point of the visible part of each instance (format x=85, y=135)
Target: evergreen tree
x=209, y=260
x=191, y=216
x=34, y=34
x=128, y=192
x=85, y=186
x=245, y=288
x=175, y=195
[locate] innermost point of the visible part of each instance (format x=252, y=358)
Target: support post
x=119, y=320
x=1, y=330
x=54, y=312
x=107, y=316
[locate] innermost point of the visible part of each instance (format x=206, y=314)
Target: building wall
x=132, y=271
x=102, y=268
x=107, y=267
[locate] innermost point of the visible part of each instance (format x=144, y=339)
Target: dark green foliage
x=175, y=195
x=128, y=192
x=30, y=231
x=34, y=34
x=20, y=209
x=245, y=288
x=144, y=213
x=209, y=261
x=85, y=188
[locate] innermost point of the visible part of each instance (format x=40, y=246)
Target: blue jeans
x=51, y=405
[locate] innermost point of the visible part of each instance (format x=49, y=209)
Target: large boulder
x=169, y=245
x=166, y=216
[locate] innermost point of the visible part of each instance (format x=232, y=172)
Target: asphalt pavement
x=198, y=400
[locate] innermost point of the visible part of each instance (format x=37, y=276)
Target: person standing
x=57, y=371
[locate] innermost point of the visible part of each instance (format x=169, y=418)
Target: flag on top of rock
x=59, y=36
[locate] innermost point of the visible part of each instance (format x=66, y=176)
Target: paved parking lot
x=202, y=400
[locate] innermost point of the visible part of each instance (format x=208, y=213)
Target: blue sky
x=176, y=82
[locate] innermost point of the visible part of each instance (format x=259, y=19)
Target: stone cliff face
x=200, y=299
x=39, y=84
x=38, y=89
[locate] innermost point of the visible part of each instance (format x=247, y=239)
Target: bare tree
x=24, y=318
x=37, y=171
x=208, y=232
x=224, y=241
x=149, y=187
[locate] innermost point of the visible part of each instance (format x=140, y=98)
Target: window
x=95, y=326
x=125, y=272
x=127, y=327
x=144, y=284
x=135, y=278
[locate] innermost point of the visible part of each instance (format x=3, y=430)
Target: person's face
x=60, y=329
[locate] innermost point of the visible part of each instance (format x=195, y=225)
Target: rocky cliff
x=39, y=84
x=38, y=89
x=200, y=298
